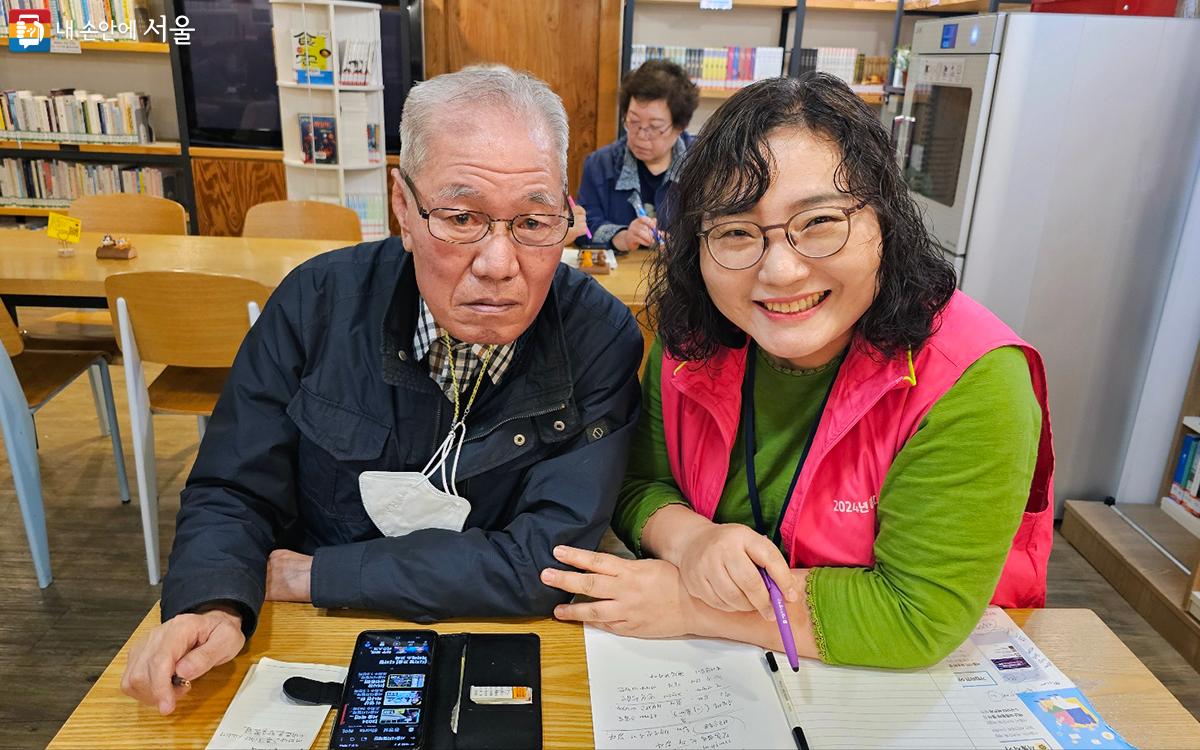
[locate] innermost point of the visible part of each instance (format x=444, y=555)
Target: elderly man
x=413, y=424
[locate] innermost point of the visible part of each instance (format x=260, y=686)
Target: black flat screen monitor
x=229, y=70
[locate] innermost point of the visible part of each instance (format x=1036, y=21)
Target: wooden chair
x=28, y=379
x=302, y=220
x=116, y=214
x=129, y=213
x=194, y=324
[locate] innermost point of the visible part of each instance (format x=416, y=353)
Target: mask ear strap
x=457, y=453
x=440, y=454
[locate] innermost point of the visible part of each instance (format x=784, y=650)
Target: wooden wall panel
x=608, y=61
x=227, y=188
x=573, y=45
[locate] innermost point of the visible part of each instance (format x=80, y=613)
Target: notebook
x=997, y=690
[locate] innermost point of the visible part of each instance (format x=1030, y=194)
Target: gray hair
x=475, y=85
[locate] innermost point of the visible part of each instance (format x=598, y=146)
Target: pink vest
x=873, y=409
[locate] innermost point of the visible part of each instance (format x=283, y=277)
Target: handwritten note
x=686, y=693
x=262, y=717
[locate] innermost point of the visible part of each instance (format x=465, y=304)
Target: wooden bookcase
x=1188, y=423
x=107, y=61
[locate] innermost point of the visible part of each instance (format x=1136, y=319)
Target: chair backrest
x=185, y=318
x=129, y=213
x=302, y=220
x=10, y=335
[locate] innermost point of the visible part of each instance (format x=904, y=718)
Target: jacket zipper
x=503, y=422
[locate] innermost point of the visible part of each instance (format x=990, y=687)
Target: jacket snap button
x=559, y=425
x=519, y=439
x=403, y=356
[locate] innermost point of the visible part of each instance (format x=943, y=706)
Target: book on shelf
x=838, y=61
x=374, y=143
x=70, y=115
x=716, y=67
x=353, y=117
x=808, y=59
x=54, y=183
x=318, y=139
x=312, y=57
x=1185, y=483
x=372, y=212
x=359, y=60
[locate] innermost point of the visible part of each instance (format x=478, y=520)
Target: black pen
x=785, y=703
x=798, y=735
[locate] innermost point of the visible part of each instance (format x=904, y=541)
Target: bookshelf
x=108, y=66
x=871, y=96
x=864, y=25
x=868, y=6
x=103, y=45
x=158, y=147
x=327, y=113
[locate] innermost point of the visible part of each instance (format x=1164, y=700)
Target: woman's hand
x=642, y=598
x=577, y=229
x=639, y=233
x=719, y=566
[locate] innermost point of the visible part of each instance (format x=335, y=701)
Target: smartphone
x=384, y=699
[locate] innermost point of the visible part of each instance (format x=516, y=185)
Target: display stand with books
x=327, y=63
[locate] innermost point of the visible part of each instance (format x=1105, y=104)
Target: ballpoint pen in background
x=781, y=619
x=641, y=211
x=571, y=202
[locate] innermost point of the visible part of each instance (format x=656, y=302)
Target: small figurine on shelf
x=111, y=249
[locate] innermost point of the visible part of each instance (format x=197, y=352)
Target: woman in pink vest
x=821, y=404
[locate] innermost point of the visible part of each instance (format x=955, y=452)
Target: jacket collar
x=628, y=178
x=539, y=377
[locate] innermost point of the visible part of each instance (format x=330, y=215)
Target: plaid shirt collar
x=428, y=339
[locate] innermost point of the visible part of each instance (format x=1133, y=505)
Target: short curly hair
x=662, y=79
x=728, y=169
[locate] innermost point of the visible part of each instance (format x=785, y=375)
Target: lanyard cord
x=487, y=357
x=458, y=423
x=760, y=524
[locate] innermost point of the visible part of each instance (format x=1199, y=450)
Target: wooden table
x=1122, y=689
x=32, y=272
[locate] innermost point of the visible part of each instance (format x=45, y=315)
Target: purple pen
x=781, y=619
x=587, y=231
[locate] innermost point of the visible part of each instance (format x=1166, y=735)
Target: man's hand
x=187, y=645
x=289, y=576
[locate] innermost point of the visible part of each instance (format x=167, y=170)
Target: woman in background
x=636, y=171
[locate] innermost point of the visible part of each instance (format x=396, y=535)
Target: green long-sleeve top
x=948, y=508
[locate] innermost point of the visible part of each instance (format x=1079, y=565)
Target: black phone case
x=492, y=659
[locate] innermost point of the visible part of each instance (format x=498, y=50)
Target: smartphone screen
x=384, y=700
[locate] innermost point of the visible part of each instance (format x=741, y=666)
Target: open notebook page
x=681, y=693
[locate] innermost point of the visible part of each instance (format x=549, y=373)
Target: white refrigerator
x=1054, y=158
